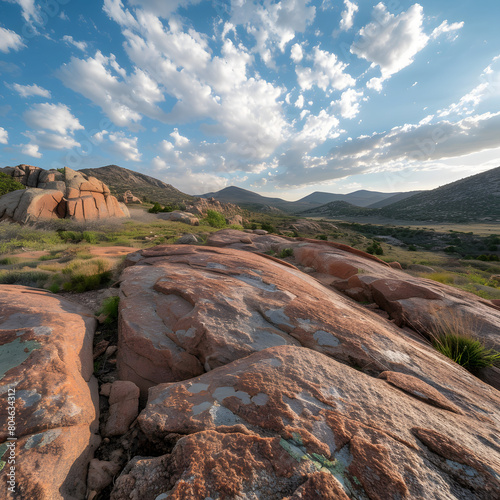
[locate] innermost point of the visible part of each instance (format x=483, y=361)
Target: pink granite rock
x=47, y=365
x=123, y=407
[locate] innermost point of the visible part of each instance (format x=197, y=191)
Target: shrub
x=286, y=252
x=266, y=226
x=8, y=184
x=90, y=237
x=456, y=337
x=155, y=208
x=215, y=219
x=323, y=237
x=110, y=309
x=375, y=248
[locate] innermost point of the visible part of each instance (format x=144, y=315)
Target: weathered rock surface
x=189, y=309
x=46, y=363
x=263, y=426
x=123, y=407
x=178, y=216
x=200, y=207
x=412, y=301
x=52, y=194
x=128, y=197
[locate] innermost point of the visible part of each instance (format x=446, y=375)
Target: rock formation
x=128, y=197
x=178, y=216
x=46, y=367
x=53, y=194
x=200, y=207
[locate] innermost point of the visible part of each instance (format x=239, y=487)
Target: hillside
x=338, y=209
x=393, y=199
x=120, y=179
x=474, y=198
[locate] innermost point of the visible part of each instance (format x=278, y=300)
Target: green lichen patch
x=15, y=353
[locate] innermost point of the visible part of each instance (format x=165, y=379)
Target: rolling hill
x=471, y=199
x=120, y=179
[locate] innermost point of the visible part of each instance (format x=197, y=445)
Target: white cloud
x=126, y=147
x=416, y=145
x=31, y=150
x=55, y=117
x=180, y=141
x=296, y=53
x=31, y=90
x=124, y=98
x=163, y=8
x=347, y=15
x=391, y=42
x=79, y=45
x=489, y=87
x=317, y=129
x=30, y=10
x=327, y=72
x=273, y=25
x=299, y=103
x=50, y=140
x=4, y=136
x=445, y=28
x=99, y=137
x=9, y=40
x=349, y=103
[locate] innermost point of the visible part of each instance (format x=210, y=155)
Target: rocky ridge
x=281, y=379
x=51, y=194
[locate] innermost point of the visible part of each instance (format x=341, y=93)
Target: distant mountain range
x=474, y=199
x=120, y=179
x=253, y=201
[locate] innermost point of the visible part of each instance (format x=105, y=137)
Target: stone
x=54, y=195
x=275, y=423
x=395, y=265
x=235, y=220
x=187, y=239
x=178, y=216
x=46, y=363
x=123, y=409
x=101, y=474
x=419, y=268
x=410, y=301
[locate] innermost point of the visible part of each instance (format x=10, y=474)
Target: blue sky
x=280, y=97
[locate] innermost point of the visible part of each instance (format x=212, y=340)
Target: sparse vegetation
x=8, y=184
x=110, y=309
x=286, y=252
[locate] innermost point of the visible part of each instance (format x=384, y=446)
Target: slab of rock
x=46, y=364
x=26, y=205
x=288, y=422
x=417, y=302
x=178, y=216
x=123, y=407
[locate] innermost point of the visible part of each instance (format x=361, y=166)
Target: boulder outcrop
x=179, y=216
x=53, y=194
x=46, y=367
x=128, y=197
x=416, y=302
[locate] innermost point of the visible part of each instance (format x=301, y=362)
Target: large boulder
x=31, y=204
x=179, y=216
x=289, y=420
x=52, y=194
x=416, y=302
x=50, y=396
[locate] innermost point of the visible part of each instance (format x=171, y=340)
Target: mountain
x=120, y=179
x=474, y=198
x=254, y=201
x=339, y=209
x=393, y=199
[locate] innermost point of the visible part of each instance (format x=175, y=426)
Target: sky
x=280, y=97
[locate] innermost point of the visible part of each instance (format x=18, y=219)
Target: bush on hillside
x=8, y=184
x=216, y=219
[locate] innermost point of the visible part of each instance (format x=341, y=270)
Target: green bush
x=215, y=219
x=375, y=248
x=323, y=237
x=266, y=226
x=466, y=351
x=110, y=309
x=155, y=208
x=90, y=237
x=286, y=252
x=8, y=184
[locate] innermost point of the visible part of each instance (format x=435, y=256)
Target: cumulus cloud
x=327, y=72
x=299, y=103
x=347, y=15
x=317, y=129
x=409, y=144
x=31, y=90
x=71, y=41
x=125, y=147
x=180, y=141
x=445, y=28
x=10, y=40
x=391, y=41
x=4, y=136
x=296, y=53
x=124, y=98
x=273, y=25
x=163, y=8
x=31, y=150
x=30, y=10
x=349, y=103
x=55, y=117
